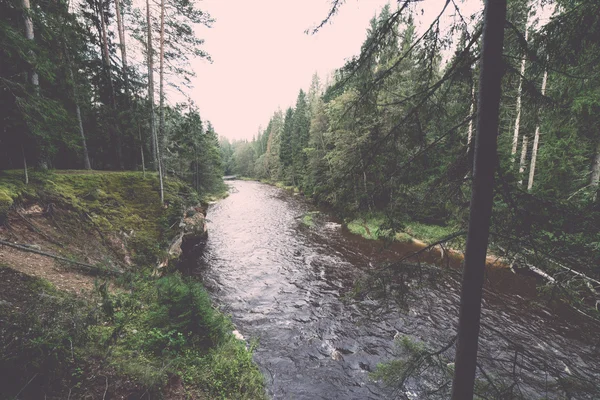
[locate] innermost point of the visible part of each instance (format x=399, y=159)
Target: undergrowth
x=141, y=332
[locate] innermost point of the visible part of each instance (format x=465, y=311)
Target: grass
x=308, y=218
x=371, y=226
x=113, y=201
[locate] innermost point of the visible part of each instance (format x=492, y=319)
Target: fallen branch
x=43, y=253
x=38, y=231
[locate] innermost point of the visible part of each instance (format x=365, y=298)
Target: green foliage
x=169, y=326
x=185, y=307
x=6, y=202
x=43, y=338
x=377, y=226
x=308, y=218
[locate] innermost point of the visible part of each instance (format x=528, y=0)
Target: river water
x=287, y=286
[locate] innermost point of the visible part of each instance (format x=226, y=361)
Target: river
x=287, y=286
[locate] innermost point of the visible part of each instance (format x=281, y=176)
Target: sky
x=262, y=56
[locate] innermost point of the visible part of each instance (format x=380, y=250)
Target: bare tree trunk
x=523, y=159
x=86, y=157
x=519, y=95
x=484, y=166
x=160, y=174
x=150, y=59
x=33, y=75
x=595, y=178
x=25, y=165
x=122, y=46
x=161, y=87
x=471, y=111
x=156, y=148
x=536, y=139
x=142, y=150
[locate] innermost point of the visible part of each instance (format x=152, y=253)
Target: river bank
x=371, y=225
x=113, y=318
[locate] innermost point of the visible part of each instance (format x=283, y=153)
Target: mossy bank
x=125, y=325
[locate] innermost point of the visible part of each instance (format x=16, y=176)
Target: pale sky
x=262, y=57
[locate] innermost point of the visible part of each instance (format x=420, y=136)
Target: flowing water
x=286, y=285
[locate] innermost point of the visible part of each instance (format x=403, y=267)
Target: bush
x=184, y=306
x=5, y=203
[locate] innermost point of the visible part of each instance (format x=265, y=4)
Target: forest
x=76, y=94
x=389, y=139
x=477, y=134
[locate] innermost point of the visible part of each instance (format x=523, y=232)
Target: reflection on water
x=283, y=283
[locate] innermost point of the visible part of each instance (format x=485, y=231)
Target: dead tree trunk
x=523, y=159
x=595, y=178
x=122, y=46
x=515, y=142
x=536, y=139
x=156, y=149
x=484, y=166
x=33, y=75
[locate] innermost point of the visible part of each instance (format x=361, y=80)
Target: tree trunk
x=519, y=94
x=115, y=134
x=471, y=111
x=33, y=75
x=25, y=165
x=523, y=159
x=595, y=178
x=86, y=158
x=484, y=166
x=536, y=139
x=156, y=149
x=142, y=151
x=161, y=87
x=122, y=46
x=150, y=60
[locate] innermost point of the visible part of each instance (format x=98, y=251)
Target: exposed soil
x=57, y=232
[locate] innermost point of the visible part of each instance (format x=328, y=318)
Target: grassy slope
x=147, y=335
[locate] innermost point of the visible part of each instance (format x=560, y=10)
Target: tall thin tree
x=122, y=44
x=113, y=124
x=154, y=140
x=161, y=77
x=536, y=139
x=484, y=166
x=515, y=141
x=595, y=176
x=33, y=76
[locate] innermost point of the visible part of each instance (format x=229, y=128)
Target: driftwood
x=43, y=253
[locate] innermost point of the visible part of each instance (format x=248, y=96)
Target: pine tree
x=300, y=136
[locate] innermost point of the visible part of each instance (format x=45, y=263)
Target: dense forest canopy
x=77, y=88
